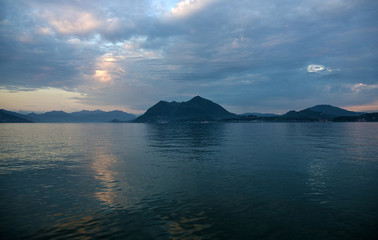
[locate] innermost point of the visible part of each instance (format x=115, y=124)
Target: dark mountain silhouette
x=11, y=117
x=196, y=109
x=334, y=111
x=259, y=114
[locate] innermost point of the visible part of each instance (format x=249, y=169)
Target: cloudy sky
x=247, y=55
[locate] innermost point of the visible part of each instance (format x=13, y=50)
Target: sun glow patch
x=103, y=76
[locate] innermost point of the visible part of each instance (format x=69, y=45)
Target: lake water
x=189, y=181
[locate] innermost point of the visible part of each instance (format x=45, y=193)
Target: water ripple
x=189, y=181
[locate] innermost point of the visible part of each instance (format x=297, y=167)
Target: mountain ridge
x=84, y=116
x=197, y=109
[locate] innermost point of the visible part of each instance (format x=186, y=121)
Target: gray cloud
x=249, y=55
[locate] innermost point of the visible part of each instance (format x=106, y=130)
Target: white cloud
x=186, y=8
x=109, y=68
x=45, y=31
x=315, y=68
x=70, y=20
x=320, y=68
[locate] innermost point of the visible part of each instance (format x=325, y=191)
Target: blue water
x=189, y=181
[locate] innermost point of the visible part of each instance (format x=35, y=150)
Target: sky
x=247, y=55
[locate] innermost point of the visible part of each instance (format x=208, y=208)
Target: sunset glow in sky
x=248, y=56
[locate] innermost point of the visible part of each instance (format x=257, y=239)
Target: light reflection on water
x=102, y=161
x=189, y=181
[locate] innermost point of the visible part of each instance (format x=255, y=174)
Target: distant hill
x=197, y=108
x=334, y=111
x=101, y=116
x=318, y=113
x=259, y=114
x=11, y=117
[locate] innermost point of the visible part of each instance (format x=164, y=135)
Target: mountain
x=197, y=108
x=334, y=111
x=11, y=117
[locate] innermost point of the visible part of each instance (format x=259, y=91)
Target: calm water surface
x=189, y=181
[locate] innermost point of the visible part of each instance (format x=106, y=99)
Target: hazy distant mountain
x=259, y=114
x=101, y=116
x=63, y=117
x=197, y=108
x=53, y=116
x=334, y=111
x=11, y=117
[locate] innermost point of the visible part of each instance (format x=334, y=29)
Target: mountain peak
x=195, y=108
x=54, y=112
x=91, y=111
x=198, y=98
